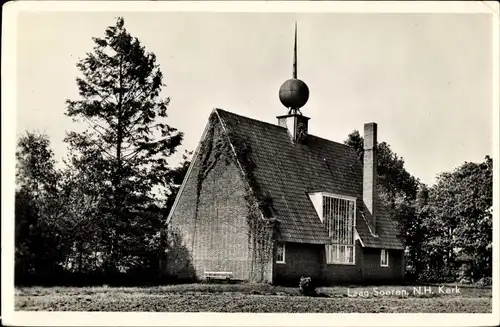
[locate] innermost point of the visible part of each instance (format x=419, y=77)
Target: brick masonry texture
x=300, y=260
x=309, y=260
x=218, y=238
x=374, y=273
x=338, y=273
x=370, y=173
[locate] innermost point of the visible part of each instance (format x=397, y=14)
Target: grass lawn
x=253, y=298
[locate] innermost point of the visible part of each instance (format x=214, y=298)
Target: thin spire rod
x=295, y=54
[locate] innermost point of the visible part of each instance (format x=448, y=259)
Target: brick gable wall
x=217, y=240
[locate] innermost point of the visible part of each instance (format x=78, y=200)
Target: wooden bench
x=218, y=275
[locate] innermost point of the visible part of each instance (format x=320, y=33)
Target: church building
x=272, y=203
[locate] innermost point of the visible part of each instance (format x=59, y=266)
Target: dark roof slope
x=287, y=172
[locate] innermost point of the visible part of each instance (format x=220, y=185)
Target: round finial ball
x=294, y=93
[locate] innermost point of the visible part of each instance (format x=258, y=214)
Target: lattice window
x=338, y=216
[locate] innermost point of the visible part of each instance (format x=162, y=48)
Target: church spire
x=294, y=94
x=295, y=54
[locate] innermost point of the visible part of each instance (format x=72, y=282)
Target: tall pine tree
x=124, y=150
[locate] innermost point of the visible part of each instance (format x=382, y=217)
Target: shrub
x=306, y=286
x=438, y=275
x=485, y=281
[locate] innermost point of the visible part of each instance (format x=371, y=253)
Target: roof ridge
x=275, y=125
x=246, y=117
x=325, y=139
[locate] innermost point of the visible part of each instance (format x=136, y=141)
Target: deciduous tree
x=38, y=237
x=461, y=221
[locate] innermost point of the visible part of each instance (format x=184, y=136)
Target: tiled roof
x=287, y=172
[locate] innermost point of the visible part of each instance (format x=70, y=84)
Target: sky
x=425, y=79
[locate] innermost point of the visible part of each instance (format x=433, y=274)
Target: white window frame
x=284, y=252
x=338, y=260
x=335, y=249
x=384, y=254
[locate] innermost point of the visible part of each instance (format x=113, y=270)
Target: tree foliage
x=37, y=208
x=35, y=165
x=121, y=157
x=393, y=177
x=441, y=224
x=459, y=223
x=103, y=216
x=121, y=102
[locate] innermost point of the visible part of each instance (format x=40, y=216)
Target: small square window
x=280, y=253
x=384, y=258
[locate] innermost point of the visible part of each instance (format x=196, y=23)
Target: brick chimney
x=370, y=173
